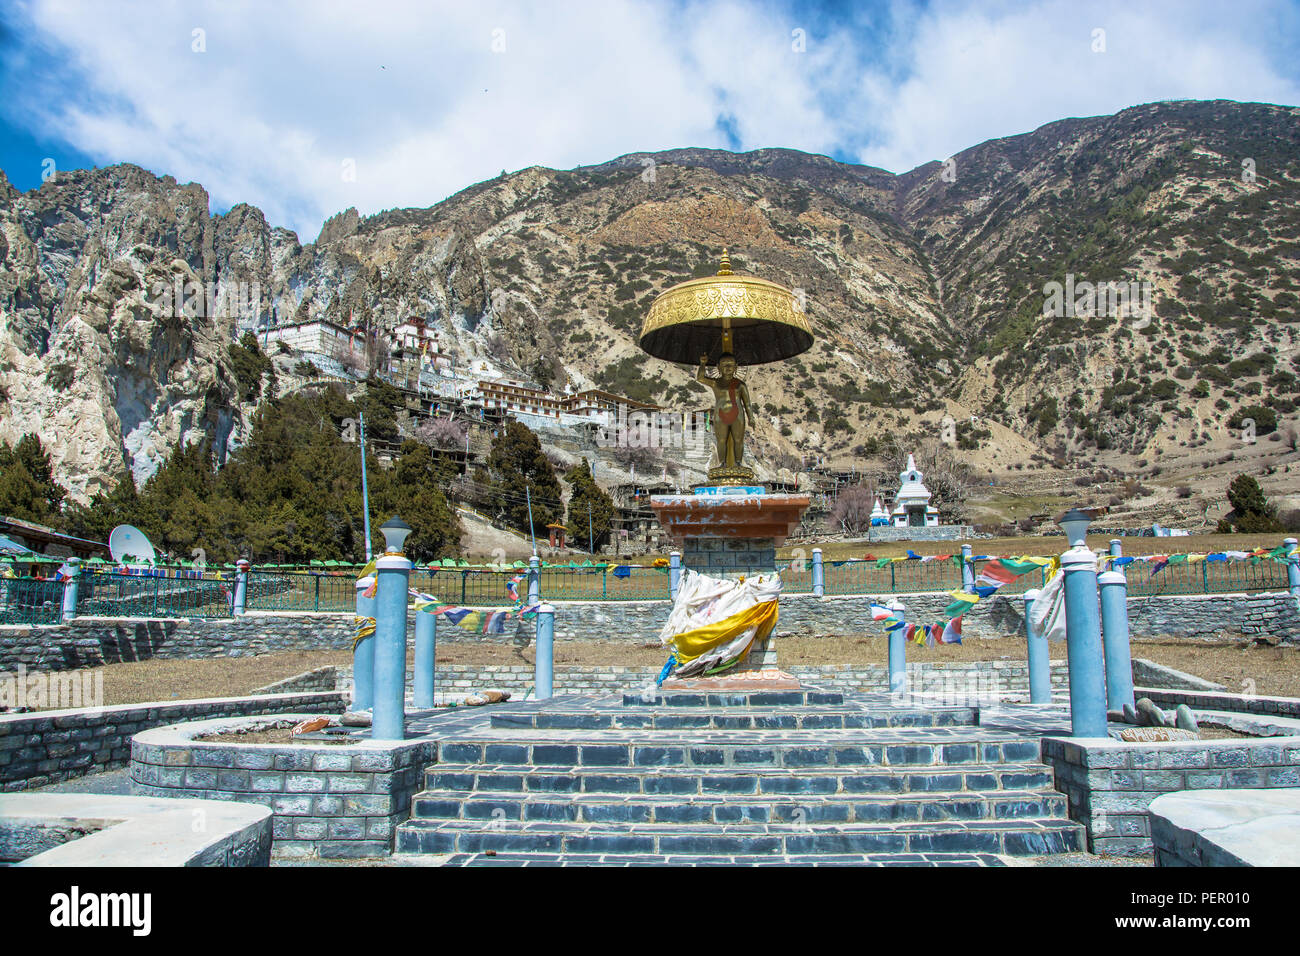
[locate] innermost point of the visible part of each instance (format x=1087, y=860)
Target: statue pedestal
x=730, y=513
x=757, y=672
x=733, y=531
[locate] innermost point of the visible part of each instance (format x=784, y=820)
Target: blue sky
x=306, y=107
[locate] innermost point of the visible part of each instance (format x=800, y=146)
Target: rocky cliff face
x=926, y=290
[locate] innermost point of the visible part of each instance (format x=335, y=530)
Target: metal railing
x=191, y=593
x=487, y=587
x=30, y=601
x=1205, y=577
x=897, y=577
x=133, y=595
x=301, y=591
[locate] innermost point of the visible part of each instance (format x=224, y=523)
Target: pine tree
x=517, y=464
x=588, y=501
x=1251, y=512
x=411, y=491
x=28, y=490
x=96, y=519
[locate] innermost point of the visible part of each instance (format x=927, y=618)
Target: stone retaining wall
x=943, y=532
x=322, y=678
x=88, y=642
x=961, y=680
x=338, y=801
x=1274, y=614
x=92, y=642
x=1110, y=784
x=48, y=746
x=1150, y=674
x=1233, y=703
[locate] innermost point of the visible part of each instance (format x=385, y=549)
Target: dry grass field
x=1273, y=670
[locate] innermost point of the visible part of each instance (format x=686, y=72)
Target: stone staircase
x=781, y=777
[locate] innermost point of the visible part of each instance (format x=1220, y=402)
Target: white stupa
x=912, y=508
x=879, y=516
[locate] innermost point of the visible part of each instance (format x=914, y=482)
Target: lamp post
x=241, y=587
x=1083, y=629
x=72, y=577
x=393, y=571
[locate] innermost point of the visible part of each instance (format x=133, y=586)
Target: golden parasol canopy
x=755, y=320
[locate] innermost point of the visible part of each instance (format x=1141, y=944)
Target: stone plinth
x=728, y=531
x=723, y=556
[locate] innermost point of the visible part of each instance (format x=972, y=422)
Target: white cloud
x=975, y=74
x=416, y=96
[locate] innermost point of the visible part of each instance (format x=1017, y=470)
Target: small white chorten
x=879, y=516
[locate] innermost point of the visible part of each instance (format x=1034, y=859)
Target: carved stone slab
x=1146, y=735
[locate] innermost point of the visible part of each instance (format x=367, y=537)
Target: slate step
x=772, y=698
x=833, y=717
x=729, y=809
x=790, y=748
x=648, y=859
x=684, y=781
x=1009, y=837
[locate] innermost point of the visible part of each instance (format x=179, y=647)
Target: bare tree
x=644, y=459
x=851, y=512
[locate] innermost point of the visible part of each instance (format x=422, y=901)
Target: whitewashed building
x=912, y=508
x=319, y=337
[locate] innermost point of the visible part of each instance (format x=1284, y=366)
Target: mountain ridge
x=925, y=292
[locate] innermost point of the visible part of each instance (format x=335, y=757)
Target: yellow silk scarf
x=691, y=644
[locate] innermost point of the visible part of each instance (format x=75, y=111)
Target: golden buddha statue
x=741, y=319
x=731, y=409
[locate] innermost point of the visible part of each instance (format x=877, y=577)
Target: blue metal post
x=365, y=494
x=70, y=585
x=818, y=574
x=544, y=667
x=674, y=573
x=967, y=570
x=241, y=586
x=1083, y=644
x=363, y=653
x=1115, y=641
x=1116, y=547
x=426, y=641
x=534, y=580
x=389, y=720
x=1040, y=662
x=897, y=653
x=1292, y=568
x=528, y=492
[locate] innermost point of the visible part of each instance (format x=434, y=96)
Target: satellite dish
x=129, y=542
